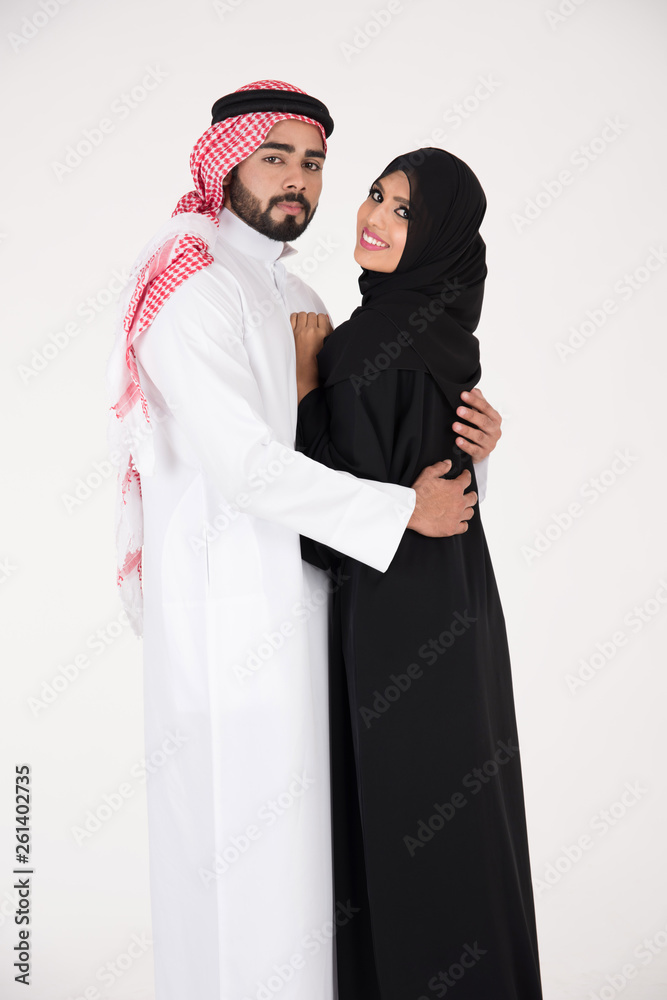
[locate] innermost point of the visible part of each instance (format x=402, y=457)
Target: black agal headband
x=247, y=102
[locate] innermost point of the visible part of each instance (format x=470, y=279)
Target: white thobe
x=235, y=656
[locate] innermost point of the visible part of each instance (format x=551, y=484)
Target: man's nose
x=294, y=179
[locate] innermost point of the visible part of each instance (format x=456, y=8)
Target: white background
x=552, y=81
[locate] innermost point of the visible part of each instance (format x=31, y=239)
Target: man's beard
x=249, y=208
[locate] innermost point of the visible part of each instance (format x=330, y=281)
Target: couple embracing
x=345, y=816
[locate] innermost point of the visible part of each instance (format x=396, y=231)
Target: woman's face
x=382, y=223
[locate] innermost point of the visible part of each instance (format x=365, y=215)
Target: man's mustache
x=290, y=197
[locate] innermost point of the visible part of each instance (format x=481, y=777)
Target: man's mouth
x=290, y=207
x=369, y=241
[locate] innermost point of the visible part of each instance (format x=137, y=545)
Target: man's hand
x=442, y=508
x=480, y=440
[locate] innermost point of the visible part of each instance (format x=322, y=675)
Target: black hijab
x=422, y=316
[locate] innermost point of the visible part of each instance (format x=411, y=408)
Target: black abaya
x=429, y=828
x=429, y=833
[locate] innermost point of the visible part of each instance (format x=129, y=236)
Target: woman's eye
x=373, y=192
x=402, y=209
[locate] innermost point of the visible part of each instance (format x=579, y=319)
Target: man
x=235, y=623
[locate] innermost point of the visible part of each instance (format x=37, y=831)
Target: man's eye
x=312, y=164
x=267, y=158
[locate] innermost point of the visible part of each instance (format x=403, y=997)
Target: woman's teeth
x=370, y=239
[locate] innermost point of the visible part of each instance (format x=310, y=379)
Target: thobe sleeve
x=193, y=354
x=482, y=476
x=384, y=431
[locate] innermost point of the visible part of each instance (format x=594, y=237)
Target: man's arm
x=482, y=438
x=194, y=355
x=442, y=508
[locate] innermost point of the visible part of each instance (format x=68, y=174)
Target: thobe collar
x=243, y=237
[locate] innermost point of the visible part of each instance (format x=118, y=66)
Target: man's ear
x=229, y=177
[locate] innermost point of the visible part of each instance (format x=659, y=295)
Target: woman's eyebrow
x=403, y=201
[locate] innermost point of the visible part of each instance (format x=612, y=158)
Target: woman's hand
x=310, y=330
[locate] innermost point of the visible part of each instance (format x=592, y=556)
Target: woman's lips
x=371, y=246
x=290, y=207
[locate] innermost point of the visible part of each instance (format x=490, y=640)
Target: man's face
x=276, y=189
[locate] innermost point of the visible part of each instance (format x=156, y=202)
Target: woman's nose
x=377, y=217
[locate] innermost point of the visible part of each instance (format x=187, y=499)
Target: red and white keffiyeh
x=178, y=250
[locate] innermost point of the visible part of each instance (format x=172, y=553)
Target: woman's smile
x=371, y=241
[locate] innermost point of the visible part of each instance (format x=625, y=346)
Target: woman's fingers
x=311, y=327
x=324, y=324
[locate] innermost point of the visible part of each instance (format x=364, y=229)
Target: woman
x=430, y=849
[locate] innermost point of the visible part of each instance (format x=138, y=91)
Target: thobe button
x=279, y=277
